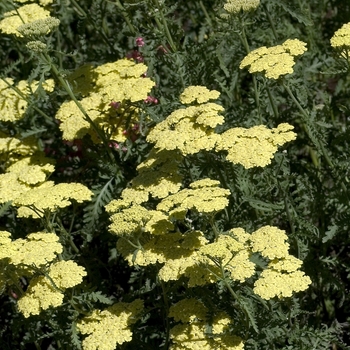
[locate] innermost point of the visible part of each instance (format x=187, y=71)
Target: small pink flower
x=140, y=42
x=136, y=56
x=114, y=104
x=114, y=145
x=151, y=100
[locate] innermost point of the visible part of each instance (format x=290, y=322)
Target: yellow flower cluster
x=190, y=129
x=37, y=249
x=24, y=14
x=232, y=255
x=44, y=292
x=282, y=277
x=341, y=40
x=196, y=332
x=255, y=146
x=119, y=81
x=199, y=94
x=25, y=167
x=235, y=6
x=49, y=196
x=203, y=195
x=110, y=327
x=13, y=106
x=341, y=37
x=274, y=61
x=158, y=174
x=38, y=28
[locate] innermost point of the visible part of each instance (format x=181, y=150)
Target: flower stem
x=67, y=87
x=163, y=26
x=24, y=97
x=244, y=41
x=319, y=145
x=126, y=16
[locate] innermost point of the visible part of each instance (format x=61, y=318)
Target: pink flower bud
x=114, y=104
x=140, y=42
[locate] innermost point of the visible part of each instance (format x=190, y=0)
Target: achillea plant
x=173, y=175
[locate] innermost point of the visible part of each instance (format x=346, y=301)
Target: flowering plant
x=174, y=175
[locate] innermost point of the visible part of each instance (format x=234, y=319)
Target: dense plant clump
x=174, y=174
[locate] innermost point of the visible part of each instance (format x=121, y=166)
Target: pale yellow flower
x=40, y=295
x=36, y=249
x=341, y=37
x=118, y=81
x=188, y=310
x=26, y=14
x=254, y=146
x=272, y=283
x=235, y=6
x=199, y=94
x=203, y=195
x=189, y=130
x=51, y=197
x=66, y=274
x=270, y=242
x=12, y=106
x=110, y=327
x=159, y=174
x=274, y=61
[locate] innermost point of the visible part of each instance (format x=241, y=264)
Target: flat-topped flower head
x=341, y=40
x=204, y=195
x=44, y=292
x=254, y=146
x=40, y=27
x=198, y=94
x=51, y=197
x=105, y=329
x=274, y=61
x=119, y=81
x=24, y=14
x=272, y=283
x=235, y=6
x=188, y=130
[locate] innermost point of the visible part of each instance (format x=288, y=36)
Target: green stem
x=206, y=13
x=272, y=102
x=271, y=22
x=164, y=26
x=126, y=16
x=244, y=41
x=166, y=304
x=318, y=145
x=66, y=86
x=93, y=23
x=24, y=97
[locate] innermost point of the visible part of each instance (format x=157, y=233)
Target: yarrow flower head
x=199, y=94
x=51, y=197
x=341, y=40
x=43, y=292
x=24, y=14
x=190, y=130
x=194, y=330
x=38, y=28
x=274, y=61
x=120, y=81
x=235, y=6
x=106, y=329
x=255, y=146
